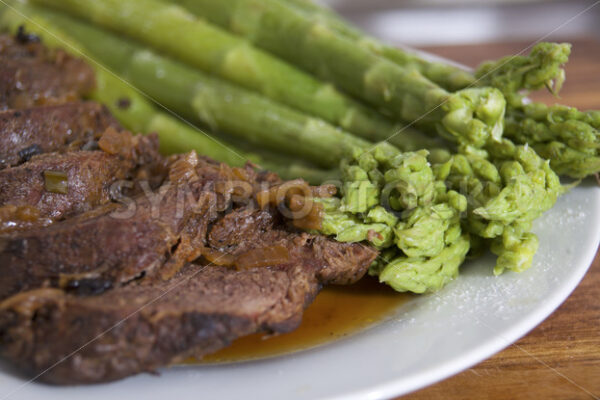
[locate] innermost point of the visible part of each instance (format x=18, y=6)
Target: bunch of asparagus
x=435, y=161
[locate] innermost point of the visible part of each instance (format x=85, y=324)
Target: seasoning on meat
x=28, y=152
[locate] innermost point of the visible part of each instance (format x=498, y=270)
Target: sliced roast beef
x=106, y=247
x=82, y=182
x=153, y=323
x=161, y=229
x=254, y=272
x=32, y=75
x=25, y=133
x=60, y=185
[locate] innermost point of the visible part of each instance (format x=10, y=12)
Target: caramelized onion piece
x=311, y=220
x=240, y=174
x=184, y=168
x=297, y=203
x=297, y=195
x=219, y=258
x=324, y=191
x=263, y=257
x=264, y=198
x=27, y=303
x=113, y=142
x=283, y=193
x=14, y=218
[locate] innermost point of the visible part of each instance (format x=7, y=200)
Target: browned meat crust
x=104, y=248
x=32, y=75
x=89, y=177
x=69, y=127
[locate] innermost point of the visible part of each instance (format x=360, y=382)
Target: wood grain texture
x=560, y=359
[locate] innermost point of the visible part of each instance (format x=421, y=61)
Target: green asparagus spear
x=471, y=117
x=542, y=67
x=569, y=138
x=178, y=33
x=447, y=75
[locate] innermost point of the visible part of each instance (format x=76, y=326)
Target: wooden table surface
x=560, y=359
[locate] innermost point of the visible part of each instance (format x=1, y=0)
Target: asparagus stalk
x=448, y=76
x=140, y=115
x=542, y=67
x=569, y=138
x=178, y=33
x=471, y=117
x=239, y=112
x=217, y=104
x=120, y=54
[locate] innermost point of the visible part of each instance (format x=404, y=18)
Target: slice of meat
x=32, y=75
x=25, y=133
x=242, y=233
x=144, y=326
x=105, y=247
x=20, y=218
x=87, y=177
x=163, y=231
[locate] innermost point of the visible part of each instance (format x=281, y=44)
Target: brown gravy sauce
x=335, y=313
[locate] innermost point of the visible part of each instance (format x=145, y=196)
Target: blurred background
x=435, y=22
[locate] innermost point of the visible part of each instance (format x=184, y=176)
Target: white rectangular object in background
x=480, y=22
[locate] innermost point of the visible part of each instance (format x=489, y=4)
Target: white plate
x=428, y=339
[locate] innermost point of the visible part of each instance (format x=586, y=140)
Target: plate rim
x=494, y=344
